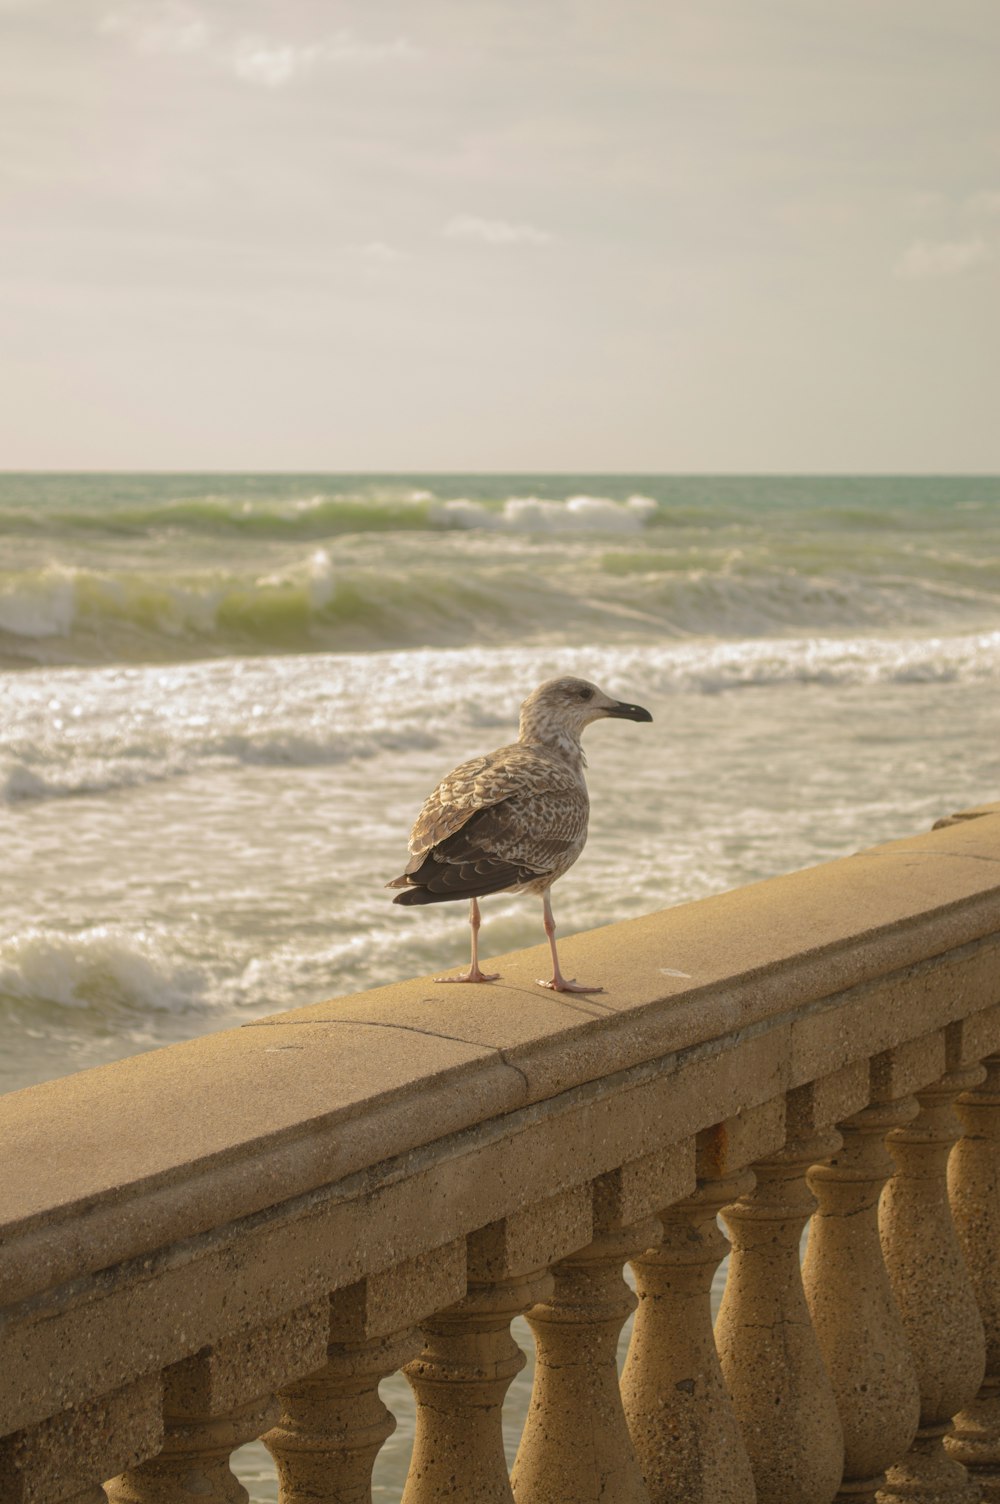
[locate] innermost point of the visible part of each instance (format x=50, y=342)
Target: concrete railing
x=240, y=1236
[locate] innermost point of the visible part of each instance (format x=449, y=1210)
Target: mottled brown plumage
x=514, y=820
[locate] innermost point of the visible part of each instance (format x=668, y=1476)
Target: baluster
x=679, y=1413
x=217, y=1401
x=576, y=1446
x=974, y=1191
x=460, y=1380
x=58, y=1460
x=194, y=1461
x=934, y=1294
x=333, y=1423
x=767, y=1347
x=858, y=1325
x=770, y=1357
x=469, y=1356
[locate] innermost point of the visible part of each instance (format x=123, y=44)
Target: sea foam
x=532, y=514
x=92, y=732
x=101, y=971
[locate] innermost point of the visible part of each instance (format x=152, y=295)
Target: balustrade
x=395, y=1213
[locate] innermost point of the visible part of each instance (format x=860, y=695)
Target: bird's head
x=558, y=711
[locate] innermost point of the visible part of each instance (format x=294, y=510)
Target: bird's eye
x=586, y=694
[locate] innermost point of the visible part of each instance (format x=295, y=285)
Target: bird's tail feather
x=496, y=883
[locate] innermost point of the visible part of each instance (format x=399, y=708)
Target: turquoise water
x=223, y=699
x=164, y=568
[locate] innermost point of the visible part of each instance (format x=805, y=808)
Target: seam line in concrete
x=952, y=856
x=364, y=1023
x=369, y=1023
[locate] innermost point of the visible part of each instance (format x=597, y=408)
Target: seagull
x=514, y=820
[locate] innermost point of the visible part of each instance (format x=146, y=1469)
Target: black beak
x=623, y=712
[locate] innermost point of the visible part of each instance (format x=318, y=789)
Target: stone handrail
x=238, y=1237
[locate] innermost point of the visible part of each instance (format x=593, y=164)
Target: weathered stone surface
x=678, y=1409
x=533, y=1238
x=770, y=1357
x=241, y=1368
x=908, y=1067
x=857, y=1322
x=973, y=1037
x=140, y=1318
x=642, y=1186
x=68, y=1455
x=811, y=1108
x=460, y=1377
x=974, y=1195
x=194, y=1461
x=751, y=1134
x=878, y=1014
x=931, y=1284
x=332, y=1424
x=397, y=1298
x=576, y=1448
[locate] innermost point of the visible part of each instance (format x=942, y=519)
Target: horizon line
x=622, y=474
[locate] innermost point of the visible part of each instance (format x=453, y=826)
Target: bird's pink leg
x=558, y=982
x=473, y=974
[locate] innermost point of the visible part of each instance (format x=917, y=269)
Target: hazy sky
x=709, y=235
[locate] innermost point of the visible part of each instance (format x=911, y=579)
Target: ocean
x=225, y=696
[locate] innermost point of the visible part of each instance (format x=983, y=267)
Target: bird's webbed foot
x=472, y=975
x=560, y=984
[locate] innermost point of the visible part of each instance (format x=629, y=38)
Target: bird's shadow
x=589, y=1006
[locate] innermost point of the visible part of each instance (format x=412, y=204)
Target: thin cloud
x=167, y=27
x=258, y=61
x=494, y=231
x=926, y=261
x=925, y=201
x=986, y=203
x=377, y=253
x=345, y=47
x=172, y=26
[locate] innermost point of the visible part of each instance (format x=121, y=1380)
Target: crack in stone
x=511, y=1066
x=370, y=1023
x=954, y=856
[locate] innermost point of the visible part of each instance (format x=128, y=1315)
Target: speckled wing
x=483, y=782
x=496, y=822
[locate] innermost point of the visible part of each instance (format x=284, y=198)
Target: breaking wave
x=466, y=592
x=73, y=614
x=104, y=969
x=533, y=514
x=278, y=519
